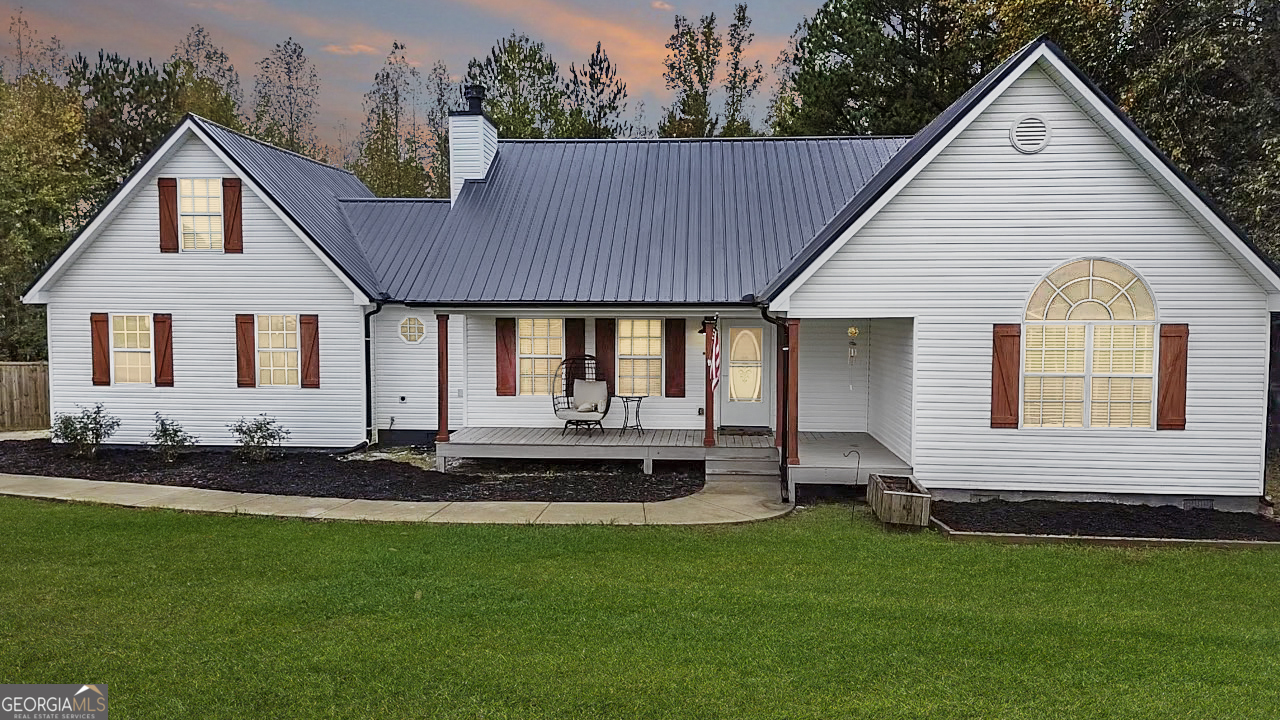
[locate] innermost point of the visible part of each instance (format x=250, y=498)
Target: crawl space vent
x=1029, y=134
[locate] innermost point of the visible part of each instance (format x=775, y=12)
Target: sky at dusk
x=349, y=40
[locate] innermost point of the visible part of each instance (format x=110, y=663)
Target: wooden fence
x=24, y=395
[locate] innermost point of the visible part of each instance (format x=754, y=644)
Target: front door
x=745, y=377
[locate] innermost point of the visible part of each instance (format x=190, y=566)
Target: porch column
x=780, y=387
x=442, y=378
x=793, y=391
x=709, y=430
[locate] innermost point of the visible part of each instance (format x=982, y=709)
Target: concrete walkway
x=716, y=503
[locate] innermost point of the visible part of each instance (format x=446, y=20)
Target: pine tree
x=524, y=91
x=596, y=99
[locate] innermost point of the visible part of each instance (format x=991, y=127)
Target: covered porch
x=608, y=444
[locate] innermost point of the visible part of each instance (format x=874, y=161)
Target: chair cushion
x=587, y=407
x=590, y=392
x=576, y=415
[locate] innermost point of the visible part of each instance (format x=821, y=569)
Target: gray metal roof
x=307, y=191
x=394, y=233
x=637, y=221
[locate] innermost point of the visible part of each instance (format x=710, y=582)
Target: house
x=1026, y=299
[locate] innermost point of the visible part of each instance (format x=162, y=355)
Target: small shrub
x=259, y=438
x=86, y=430
x=168, y=440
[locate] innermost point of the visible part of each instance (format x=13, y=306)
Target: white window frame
x=1088, y=374
x=400, y=330
x=661, y=357
x=222, y=221
x=534, y=356
x=257, y=366
x=111, y=345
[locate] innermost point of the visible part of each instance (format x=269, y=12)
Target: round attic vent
x=1029, y=134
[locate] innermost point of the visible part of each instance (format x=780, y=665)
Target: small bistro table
x=631, y=413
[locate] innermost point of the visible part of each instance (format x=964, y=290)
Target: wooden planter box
x=898, y=500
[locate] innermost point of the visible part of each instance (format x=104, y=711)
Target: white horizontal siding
x=486, y=409
x=961, y=247
x=833, y=391
x=408, y=370
x=123, y=271
x=473, y=142
x=892, y=364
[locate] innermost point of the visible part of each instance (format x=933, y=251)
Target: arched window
x=1089, y=348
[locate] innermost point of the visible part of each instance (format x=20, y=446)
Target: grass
x=814, y=616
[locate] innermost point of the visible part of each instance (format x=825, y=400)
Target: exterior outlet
x=473, y=142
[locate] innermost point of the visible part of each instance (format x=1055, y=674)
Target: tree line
x=1202, y=77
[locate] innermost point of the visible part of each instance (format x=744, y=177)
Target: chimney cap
x=474, y=95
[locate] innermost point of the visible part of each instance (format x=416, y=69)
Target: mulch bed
x=1045, y=517
x=320, y=474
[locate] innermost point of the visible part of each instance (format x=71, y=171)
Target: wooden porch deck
x=550, y=443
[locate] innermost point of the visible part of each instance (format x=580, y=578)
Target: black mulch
x=320, y=474
x=1044, y=517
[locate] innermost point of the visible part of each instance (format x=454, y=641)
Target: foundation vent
x=1029, y=134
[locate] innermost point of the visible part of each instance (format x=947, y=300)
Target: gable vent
x=1029, y=134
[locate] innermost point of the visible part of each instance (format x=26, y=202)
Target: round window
x=1029, y=134
x=412, y=330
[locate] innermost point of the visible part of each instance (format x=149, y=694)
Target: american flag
x=713, y=362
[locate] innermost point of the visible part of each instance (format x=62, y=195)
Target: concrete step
x=741, y=467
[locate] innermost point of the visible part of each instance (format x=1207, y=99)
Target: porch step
x=754, y=480
x=743, y=453
x=738, y=466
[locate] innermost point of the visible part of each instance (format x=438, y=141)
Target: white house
x=1043, y=305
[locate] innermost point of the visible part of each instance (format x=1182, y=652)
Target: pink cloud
x=352, y=49
x=660, y=5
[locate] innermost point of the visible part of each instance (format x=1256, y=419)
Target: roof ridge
x=392, y=199
x=753, y=138
x=277, y=148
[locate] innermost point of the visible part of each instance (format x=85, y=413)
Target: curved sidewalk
x=717, y=503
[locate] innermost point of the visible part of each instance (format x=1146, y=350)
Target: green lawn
x=813, y=616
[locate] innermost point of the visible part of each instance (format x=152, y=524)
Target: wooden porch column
x=793, y=391
x=442, y=378
x=709, y=431
x=780, y=386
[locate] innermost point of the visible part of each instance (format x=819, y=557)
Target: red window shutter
x=168, y=214
x=100, y=333
x=606, y=355
x=1171, y=412
x=232, y=227
x=505, y=328
x=246, y=361
x=674, y=360
x=575, y=337
x=575, y=342
x=309, y=349
x=162, y=332
x=1006, y=352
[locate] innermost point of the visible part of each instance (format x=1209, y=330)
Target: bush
x=259, y=438
x=86, y=430
x=169, y=439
